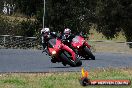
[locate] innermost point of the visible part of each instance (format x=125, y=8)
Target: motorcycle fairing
x=54, y=45
x=65, y=47
x=77, y=41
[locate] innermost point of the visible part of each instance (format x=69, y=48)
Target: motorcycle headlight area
x=78, y=46
x=53, y=52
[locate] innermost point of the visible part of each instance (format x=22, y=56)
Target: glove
x=63, y=40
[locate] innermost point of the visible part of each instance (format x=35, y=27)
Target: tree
x=28, y=7
x=111, y=16
x=114, y=16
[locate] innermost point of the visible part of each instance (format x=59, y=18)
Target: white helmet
x=45, y=30
x=67, y=31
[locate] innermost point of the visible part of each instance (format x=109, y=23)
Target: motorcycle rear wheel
x=79, y=63
x=88, y=54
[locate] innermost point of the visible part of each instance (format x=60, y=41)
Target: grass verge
x=62, y=80
x=111, y=47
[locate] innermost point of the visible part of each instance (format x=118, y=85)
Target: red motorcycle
x=80, y=46
x=62, y=53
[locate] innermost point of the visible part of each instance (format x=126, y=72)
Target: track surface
x=18, y=60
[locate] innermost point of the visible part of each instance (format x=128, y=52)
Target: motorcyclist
x=67, y=37
x=45, y=36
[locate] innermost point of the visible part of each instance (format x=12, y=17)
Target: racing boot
x=64, y=63
x=53, y=60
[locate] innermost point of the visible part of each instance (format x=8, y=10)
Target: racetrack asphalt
x=20, y=60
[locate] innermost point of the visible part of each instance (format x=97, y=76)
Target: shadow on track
x=65, y=67
x=86, y=59
x=61, y=67
x=83, y=59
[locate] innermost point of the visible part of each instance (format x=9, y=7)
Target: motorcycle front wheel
x=67, y=60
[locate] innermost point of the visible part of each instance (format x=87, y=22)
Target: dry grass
x=111, y=47
x=14, y=18
x=99, y=36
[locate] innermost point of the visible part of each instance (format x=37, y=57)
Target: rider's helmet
x=67, y=32
x=45, y=32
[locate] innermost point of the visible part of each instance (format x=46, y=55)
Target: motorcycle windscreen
x=52, y=43
x=77, y=41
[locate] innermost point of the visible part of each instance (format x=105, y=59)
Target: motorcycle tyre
x=67, y=60
x=89, y=53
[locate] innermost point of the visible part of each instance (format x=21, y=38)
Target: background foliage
x=110, y=16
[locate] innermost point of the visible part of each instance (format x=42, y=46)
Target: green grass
x=61, y=80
